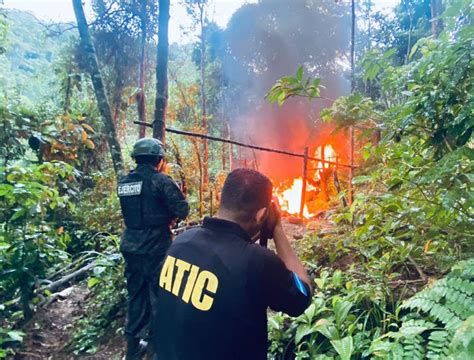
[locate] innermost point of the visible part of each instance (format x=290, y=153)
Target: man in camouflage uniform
x=151, y=202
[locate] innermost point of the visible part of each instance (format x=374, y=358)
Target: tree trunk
x=231, y=151
x=161, y=71
x=201, y=190
x=224, y=146
x=204, y=123
x=141, y=103
x=353, y=23
x=351, y=129
x=101, y=96
x=68, y=92
x=179, y=162
x=436, y=24
x=409, y=36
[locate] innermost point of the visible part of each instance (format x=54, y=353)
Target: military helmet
x=148, y=146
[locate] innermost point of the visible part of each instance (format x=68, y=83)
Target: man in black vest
x=216, y=285
x=150, y=201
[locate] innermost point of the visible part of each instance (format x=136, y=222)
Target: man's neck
x=228, y=216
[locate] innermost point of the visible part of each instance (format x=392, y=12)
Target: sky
x=61, y=11
x=220, y=11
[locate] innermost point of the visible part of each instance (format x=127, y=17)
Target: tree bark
x=351, y=129
x=141, y=103
x=201, y=190
x=204, y=122
x=353, y=23
x=100, y=93
x=179, y=162
x=161, y=100
x=68, y=92
x=436, y=24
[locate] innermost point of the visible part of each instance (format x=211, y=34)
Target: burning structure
x=264, y=42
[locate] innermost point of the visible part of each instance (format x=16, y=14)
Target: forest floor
x=49, y=333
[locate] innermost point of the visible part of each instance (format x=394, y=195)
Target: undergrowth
x=351, y=319
x=105, y=307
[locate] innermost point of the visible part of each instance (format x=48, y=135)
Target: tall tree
x=197, y=9
x=100, y=93
x=436, y=24
x=141, y=103
x=161, y=100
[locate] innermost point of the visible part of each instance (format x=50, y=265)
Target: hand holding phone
x=272, y=219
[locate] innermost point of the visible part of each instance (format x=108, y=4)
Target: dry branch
x=58, y=283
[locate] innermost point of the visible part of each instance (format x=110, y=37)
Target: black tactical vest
x=141, y=207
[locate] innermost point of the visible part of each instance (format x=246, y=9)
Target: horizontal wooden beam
x=261, y=148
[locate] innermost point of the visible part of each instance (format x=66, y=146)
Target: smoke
x=271, y=39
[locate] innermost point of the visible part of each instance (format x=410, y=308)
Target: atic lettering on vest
x=198, y=288
x=130, y=189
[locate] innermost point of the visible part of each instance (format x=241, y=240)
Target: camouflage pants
x=142, y=273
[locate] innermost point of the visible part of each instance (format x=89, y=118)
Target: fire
x=289, y=192
x=290, y=198
x=325, y=152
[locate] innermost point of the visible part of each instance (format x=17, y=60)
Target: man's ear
x=260, y=215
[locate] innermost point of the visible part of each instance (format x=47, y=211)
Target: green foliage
x=353, y=110
x=34, y=198
x=96, y=214
x=105, y=308
x=344, y=317
x=414, y=193
x=7, y=339
x=462, y=346
x=29, y=54
x=290, y=86
x=411, y=216
x=430, y=319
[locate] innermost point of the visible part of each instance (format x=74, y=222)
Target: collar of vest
x=145, y=167
x=225, y=225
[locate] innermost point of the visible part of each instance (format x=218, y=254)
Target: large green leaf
x=344, y=347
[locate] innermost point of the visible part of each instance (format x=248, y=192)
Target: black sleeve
x=172, y=195
x=283, y=290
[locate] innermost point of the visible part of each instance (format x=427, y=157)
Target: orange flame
x=328, y=154
x=289, y=193
x=290, y=198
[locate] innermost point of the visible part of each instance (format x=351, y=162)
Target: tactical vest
x=141, y=209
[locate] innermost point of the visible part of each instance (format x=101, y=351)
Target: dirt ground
x=49, y=332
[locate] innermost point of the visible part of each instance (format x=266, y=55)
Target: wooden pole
x=211, y=197
x=305, y=179
x=338, y=185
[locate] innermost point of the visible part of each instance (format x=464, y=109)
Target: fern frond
x=413, y=348
x=438, y=344
x=438, y=311
x=464, y=269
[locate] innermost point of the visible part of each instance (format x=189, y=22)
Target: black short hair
x=245, y=192
x=148, y=159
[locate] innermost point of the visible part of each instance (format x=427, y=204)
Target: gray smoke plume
x=271, y=39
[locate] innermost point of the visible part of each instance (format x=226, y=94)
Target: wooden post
x=305, y=179
x=212, y=210
x=338, y=185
